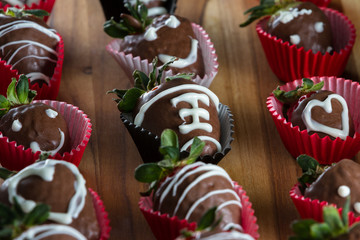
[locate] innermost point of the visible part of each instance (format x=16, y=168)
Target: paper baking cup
x=45, y=91
x=325, y=150
x=309, y=208
x=148, y=143
x=165, y=227
x=15, y=157
x=46, y=5
x=289, y=62
x=319, y=3
x=129, y=63
x=102, y=215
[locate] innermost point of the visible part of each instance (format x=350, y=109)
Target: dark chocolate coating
x=228, y=214
x=325, y=188
x=304, y=26
x=162, y=115
x=36, y=126
x=171, y=41
x=332, y=119
x=21, y=60
x=57, y=194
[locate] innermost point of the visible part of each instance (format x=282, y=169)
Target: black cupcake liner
x=148, y=143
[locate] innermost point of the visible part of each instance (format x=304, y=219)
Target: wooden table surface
x=258, y=160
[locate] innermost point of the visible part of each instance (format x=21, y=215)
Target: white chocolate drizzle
x=171, y=22
x=329, y=49
x=210, y=194
x=313, y=125
x=233, y=226
x=189, y=170
x=287, y=16
x=182, y=62
x=20, y=24
x=319, y=27
x=195, y=112
x=23, y=24
x=203, y=138
x=35, y=146
x=16, y=125
x=139, y=118
x=227, y=236
x=44, y=231
x=46, y=171
x=343, y=191
x=154, y=11
x=357, y=207
x=51, y=113
x=295, y=39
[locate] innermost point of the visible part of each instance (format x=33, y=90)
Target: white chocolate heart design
x=313, y=125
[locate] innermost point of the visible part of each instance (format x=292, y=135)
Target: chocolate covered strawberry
x=29, y=44
x=300, y=23
x=166, y=37
x=316, y=110
x=194, y=191
x=179, y=104
x=33, y=125
x=60, y=186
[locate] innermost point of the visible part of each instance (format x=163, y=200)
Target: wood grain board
x=258, y=160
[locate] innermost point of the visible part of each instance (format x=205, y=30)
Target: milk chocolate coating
x=332, y=119
x=37, y=126
x=57, y=194
x=228, y=214
x=162, y=115
x=171, y=41
x=325, y=188
x=304, y=27
x=30, y=57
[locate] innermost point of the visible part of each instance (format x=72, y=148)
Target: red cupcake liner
x=313, y=208
x=289, y=62
x=45, y=91
x=319, y=3
x=129, y=63
x=168, y=228
x=324, y=150
x=46, y=5
x=15, y=157
x=101, y=214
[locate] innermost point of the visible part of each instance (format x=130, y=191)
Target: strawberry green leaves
x=311, y=170
x=18, y=93
x=153, y=173
x=292, y=96
x=266, y=8
x=19, y=13
x=127, y=99
x=14, y=221
x=333, y=226
x=5, y=173
x=129, y=24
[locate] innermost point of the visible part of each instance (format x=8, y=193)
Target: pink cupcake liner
x=309, y=208
x=46, y=5
x=289, y=62
x=319, y=3
x=15, y=157
x=43, y=92
x=102, y=215
x=325, y=150
x=167, y=228
x=129, y=63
